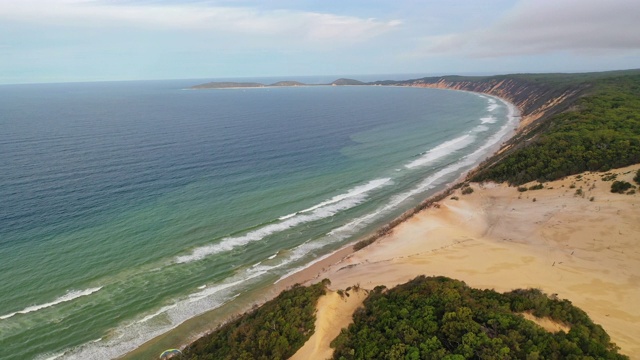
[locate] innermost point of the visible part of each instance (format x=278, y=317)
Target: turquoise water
x=128, y=208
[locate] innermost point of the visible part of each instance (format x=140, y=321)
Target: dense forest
x=600, y=132
x=441, y=318
x=273, y=331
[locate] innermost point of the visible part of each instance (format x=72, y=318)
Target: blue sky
x=84, y=40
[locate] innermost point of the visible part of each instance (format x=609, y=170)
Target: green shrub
x=538, y=186
x=620, y=187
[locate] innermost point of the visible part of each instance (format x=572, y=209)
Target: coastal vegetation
x=273, y=331
x=426, y=318
x=600, y=132
x=442, y=318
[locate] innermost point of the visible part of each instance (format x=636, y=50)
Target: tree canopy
x=601, y=132
x=273, y=331
x=442, y=318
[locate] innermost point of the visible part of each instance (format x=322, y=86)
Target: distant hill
x=227, y=85
x=288, y=83
x=347, y=82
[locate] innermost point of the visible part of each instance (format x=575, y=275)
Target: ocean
x=127, y=208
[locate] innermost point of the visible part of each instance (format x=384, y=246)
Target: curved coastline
x=312, y=271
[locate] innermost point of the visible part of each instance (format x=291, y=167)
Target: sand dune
x=557, y=239
x=334, y=313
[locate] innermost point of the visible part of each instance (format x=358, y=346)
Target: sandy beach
x=574, y=238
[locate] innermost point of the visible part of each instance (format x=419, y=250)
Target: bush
x=522, y=189
x=467, y=190
x=620, y=187
x=637, y=177
x=539, y=186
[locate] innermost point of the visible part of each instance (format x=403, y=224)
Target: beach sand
x=555, y=239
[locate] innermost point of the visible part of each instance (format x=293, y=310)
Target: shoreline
x=305, y=275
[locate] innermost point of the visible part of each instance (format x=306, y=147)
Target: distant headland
x=235, y=85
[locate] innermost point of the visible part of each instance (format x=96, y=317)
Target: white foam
x=492, y=104
x=488, y=120
x=49, y=356
x=213, y=290
x=323, y=210
x=287, y=216
x=272, y=256
x=162, y=310
x=356, y=191
x=130, y=336
x=479, y=129
x=70, y=295
x=442, y=150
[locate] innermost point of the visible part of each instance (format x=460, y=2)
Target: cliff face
x=535, y=100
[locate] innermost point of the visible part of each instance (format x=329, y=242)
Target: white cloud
x=547, y=26
x=307, y=26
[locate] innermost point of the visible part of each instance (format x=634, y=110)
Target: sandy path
x=334, y=313
x=563, y=243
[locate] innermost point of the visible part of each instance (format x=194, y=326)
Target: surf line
x=70, y=295
x=325, y=209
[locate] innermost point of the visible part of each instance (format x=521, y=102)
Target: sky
x=100, y=40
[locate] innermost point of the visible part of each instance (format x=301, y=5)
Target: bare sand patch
x=547, y=323
x=582, y=245
x=334, y=313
